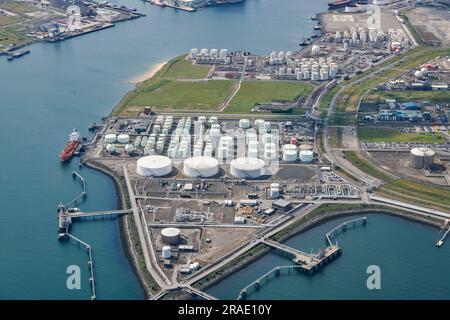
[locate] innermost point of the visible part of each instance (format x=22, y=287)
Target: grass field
x=409, y=95
x=187, y=95
x=5, y=20
x=180, y=68
x=342, y=119
x=9, y=36
x=361, y=163
x=252, y=92
x=349, y=98
x=170, y=89
x=392, y=135
x=17, y=7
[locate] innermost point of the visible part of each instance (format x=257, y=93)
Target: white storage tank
x=110, y=138
x=200, y=167
x=244, y=123
x=123, y=138
x=422, y=157
x=166, y=252
x=247, y=168
x=171, y=236
x=111, y=148
x=129, y=148
x=154, y=165
x=274, y=190
x=306, y=156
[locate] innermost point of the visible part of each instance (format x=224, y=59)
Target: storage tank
x=200, y=167
x=315, y=50
x=166, y=252
x=123, y=138
x=306, y=155
x=244, y=123
x=274, y=190
x=247, y=168
x=111, y=148
x=422, y=157
x=171, y=236
x=129, y=148
x=110, y=138
x=306, y=147
x=154, y=165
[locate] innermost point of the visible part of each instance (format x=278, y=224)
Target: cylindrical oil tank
x=306, y=155
x=110, y=138
x=129, y=148
x=422, y=157
x=110, y=148
x=274, y=190
x=166, y=252
x=154, y=165
x=123, y=138
x=306, y=147
x=200, y=167
x=171, y=236
x=244, y=123
x=247, y=168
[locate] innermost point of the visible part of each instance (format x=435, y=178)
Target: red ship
x=71, y=146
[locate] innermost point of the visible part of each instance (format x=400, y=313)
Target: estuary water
x=70, y=84
x=411, y=267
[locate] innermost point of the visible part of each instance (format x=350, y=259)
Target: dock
x=442, y=239
x=343, y=227
x=309, y=263
x=90, y=263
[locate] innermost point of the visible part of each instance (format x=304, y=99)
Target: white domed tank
x=154, y=165
x=110, y=138
x=200, y=167
x=111, y=148
x=422, y=157
x=315, y=50
x=244, y=123
x=306, y=155
x=123, y=138
x=418, y=74
x=247, y=168
x=290, y=155
x=274, y=190
x=166, y=252
x=129, y=148
x=171, y=236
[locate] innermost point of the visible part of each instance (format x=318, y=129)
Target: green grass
x=327, y=97
x=185, y=69
x=253, y=92
x=5, y=20
x=364, y=165
x=418, y=193
x=409, y=95
x=174, y=95
x=17, y=7
x=164, y=92
x=342, y=119
x=391, y=135
x=11, y=36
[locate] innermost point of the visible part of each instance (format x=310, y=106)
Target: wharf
x=307, y=262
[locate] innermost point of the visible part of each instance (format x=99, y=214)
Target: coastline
x=125, y=237
x=147, y=74
x=225, y=272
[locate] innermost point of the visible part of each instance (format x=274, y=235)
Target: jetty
x=343, y=227
x=307, y=262
x=442, y=239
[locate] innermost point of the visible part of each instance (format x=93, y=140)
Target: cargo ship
x=339, y=4
x=71, y=146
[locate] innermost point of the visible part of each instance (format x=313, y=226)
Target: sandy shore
x=148, y=74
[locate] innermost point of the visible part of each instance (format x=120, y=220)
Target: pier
x=442, y=239
x=256, y=285
x=343, y=227
x=307, y=262
x=90, y=263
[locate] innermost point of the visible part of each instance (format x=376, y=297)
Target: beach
x=148, y=74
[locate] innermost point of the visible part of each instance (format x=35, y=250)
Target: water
x=411, y=266
x=69, y=84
